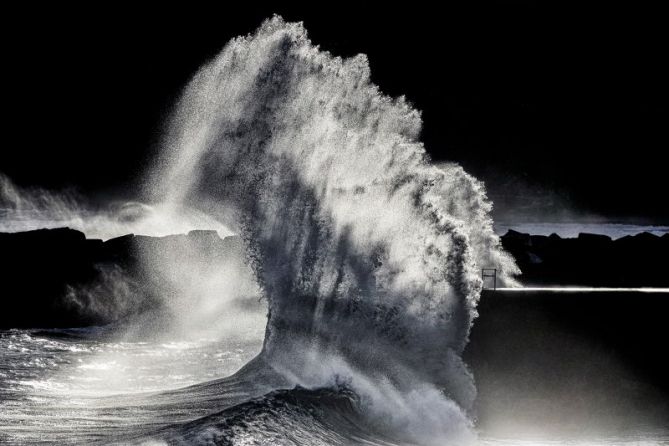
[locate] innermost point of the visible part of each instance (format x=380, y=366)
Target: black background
x=560, y=109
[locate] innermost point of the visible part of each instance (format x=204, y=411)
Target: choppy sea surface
x=79, y=385
x=83, y=386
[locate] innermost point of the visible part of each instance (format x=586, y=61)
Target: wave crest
x=366, y=251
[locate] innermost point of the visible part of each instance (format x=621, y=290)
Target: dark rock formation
x=591, y=259
x=58, y=278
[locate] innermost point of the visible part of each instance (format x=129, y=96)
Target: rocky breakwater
x=641, y=260
x=59, y=278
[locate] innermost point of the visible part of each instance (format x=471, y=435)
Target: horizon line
x=583, y=289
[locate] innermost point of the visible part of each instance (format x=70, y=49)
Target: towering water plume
x=369, y=255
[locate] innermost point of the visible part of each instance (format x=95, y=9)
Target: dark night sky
x=565, y=106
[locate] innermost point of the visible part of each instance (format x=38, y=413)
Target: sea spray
x=368, y=254
x=26, y=209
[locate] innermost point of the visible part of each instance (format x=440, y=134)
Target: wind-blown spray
x=26, y=209
x=368, y=254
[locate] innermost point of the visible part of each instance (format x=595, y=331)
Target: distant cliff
x=591, y=259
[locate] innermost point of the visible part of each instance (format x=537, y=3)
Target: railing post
x=487, y=273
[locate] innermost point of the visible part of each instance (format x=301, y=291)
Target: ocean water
x=76, y=386
x=87, y=386
x=639, y=440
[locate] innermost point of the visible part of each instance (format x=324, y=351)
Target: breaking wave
x=368, y=254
